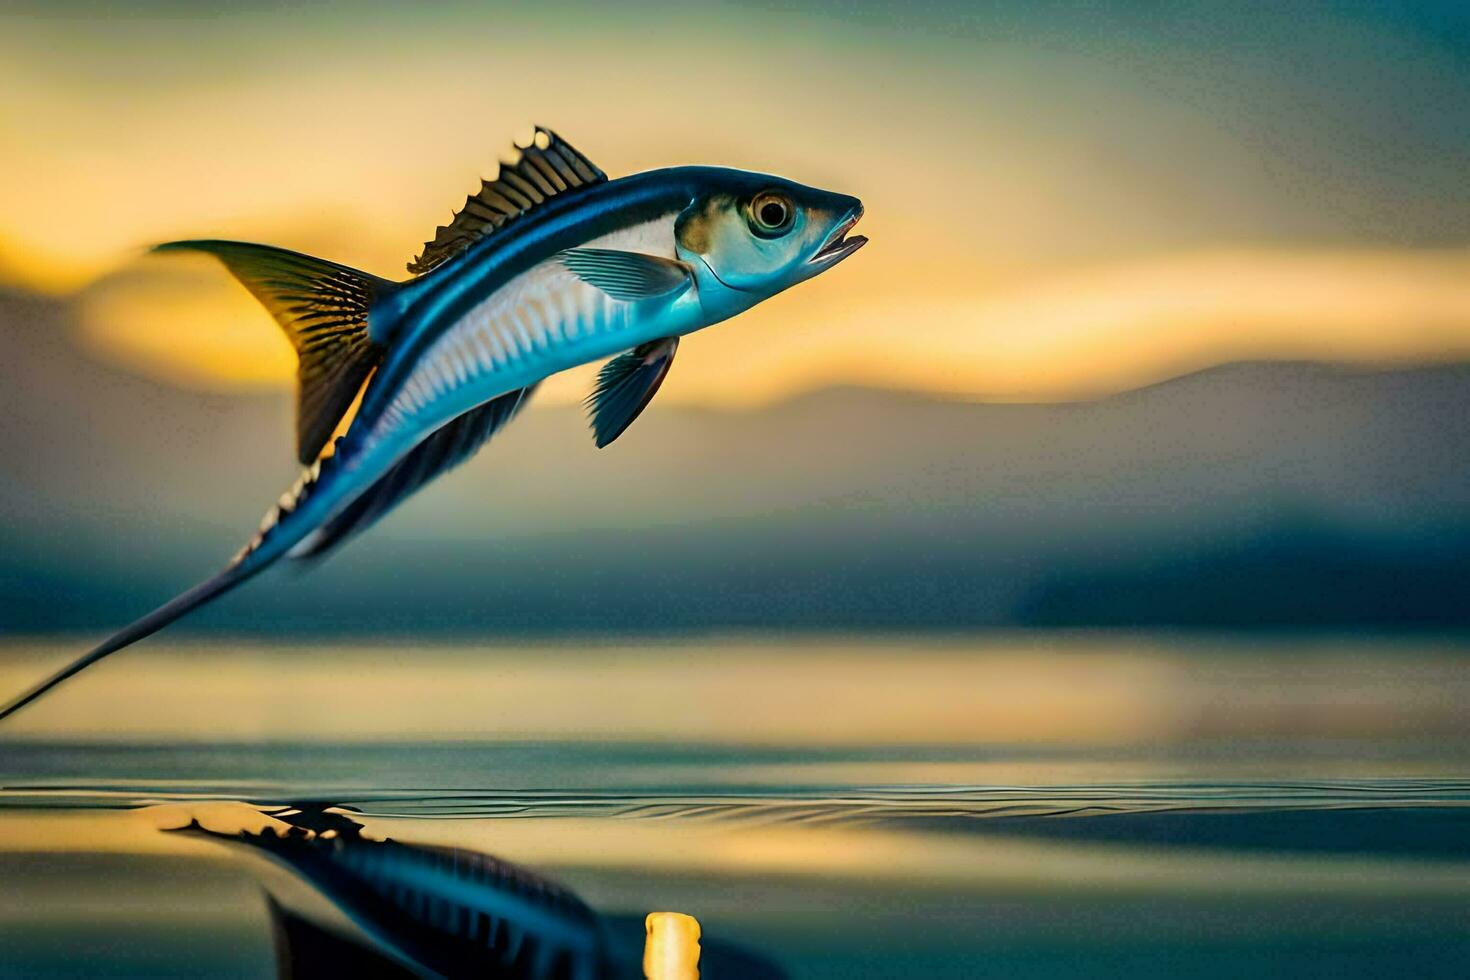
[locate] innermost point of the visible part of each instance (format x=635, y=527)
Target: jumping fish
x=548, y=266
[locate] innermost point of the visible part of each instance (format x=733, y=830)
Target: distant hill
x=1251, y=495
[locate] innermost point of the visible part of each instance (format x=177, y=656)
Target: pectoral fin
x=626, y=385
x=628, y=276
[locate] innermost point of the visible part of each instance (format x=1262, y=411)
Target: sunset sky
x=1062, y=202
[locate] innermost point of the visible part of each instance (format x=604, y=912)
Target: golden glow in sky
x=1049, y=219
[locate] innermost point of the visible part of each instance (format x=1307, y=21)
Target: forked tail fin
x=323, y=308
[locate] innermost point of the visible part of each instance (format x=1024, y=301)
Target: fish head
x=749, y=236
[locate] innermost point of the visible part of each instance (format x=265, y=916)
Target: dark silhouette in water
x=427, y=911
x=305, y=950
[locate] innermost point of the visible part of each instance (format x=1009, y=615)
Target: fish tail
x=175, y=608
x=324, y=308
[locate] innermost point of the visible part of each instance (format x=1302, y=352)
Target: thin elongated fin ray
x=323, y=308
x=628, y=276
x=626, y=385
x=449, y=448
x=148, y=625
x=445, y=449
x=545, y=168
x=259, y=554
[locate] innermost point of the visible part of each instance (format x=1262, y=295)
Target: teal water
x=1072, y=807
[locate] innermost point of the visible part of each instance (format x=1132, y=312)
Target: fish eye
x=771, y=214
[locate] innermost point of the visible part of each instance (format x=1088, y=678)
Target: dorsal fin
x=544, y=168
x=323, y=308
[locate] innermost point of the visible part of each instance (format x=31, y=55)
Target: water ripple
x=784, y=804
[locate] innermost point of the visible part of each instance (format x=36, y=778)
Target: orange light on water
x=671, y=949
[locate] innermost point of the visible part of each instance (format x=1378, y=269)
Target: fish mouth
x=839, y=246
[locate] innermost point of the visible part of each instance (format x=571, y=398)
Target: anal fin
x=443, y=450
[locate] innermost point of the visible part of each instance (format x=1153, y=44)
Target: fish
x=352, y=903
x=432, y=911
x=548, y=266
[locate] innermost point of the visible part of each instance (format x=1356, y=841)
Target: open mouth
x=840, y=246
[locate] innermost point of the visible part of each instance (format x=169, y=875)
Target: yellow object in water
x=671, y=951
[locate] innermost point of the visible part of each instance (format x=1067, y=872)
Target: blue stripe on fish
x=499, y=311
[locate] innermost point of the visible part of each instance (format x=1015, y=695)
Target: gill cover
x=761, y=240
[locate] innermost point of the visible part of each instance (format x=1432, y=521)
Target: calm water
x=1010, y=807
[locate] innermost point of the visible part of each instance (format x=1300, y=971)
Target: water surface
x=1068, y=805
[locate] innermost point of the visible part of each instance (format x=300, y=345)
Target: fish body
x=505, y=316
x=510, y=313
x=548, y=267
x=431, y=911
x=395, y=908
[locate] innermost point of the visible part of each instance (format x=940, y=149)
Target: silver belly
x=542, y=322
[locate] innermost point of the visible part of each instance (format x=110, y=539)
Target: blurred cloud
x=1062, y=201
x=1099, y=330
x=1049, y=336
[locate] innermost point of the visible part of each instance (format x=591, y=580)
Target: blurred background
x=1165, y=320
x=1073, y=583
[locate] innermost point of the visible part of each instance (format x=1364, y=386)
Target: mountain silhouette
x=1250, y=495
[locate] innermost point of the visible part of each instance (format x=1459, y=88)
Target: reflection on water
x=1300, y=811
x=388, y=908
x=408, y=910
